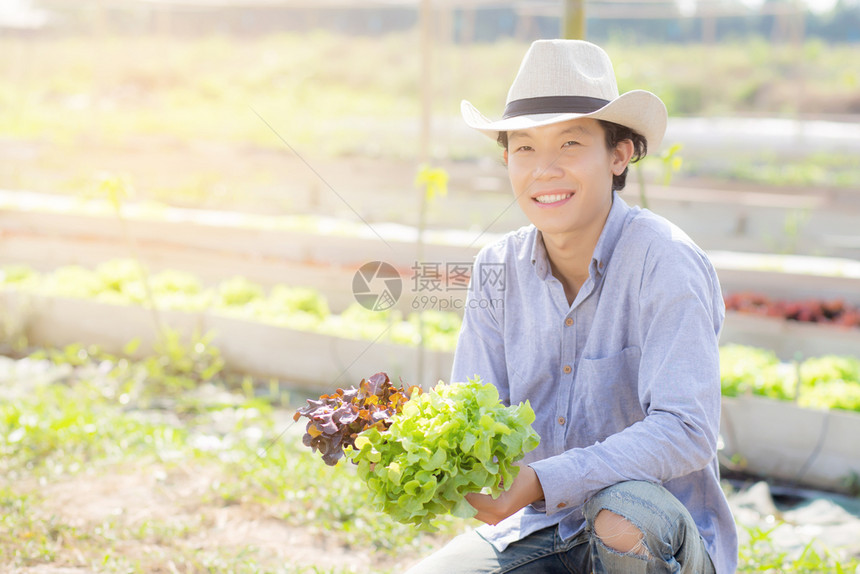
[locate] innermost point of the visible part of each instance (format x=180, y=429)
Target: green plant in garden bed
x=120, y=282
x=175, y=366
x=757, y=371
x=441, y=328
x=17, y=275
x=760, y=554
x=826, y=382
x=840, y=395
x=56, y=429
x=816, y=169
x=829, y=368
x=830, y=382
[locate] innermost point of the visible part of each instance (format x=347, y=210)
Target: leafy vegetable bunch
x=121, y=282
x=337, y=419
x=446, y=443
x=745, y=369
x=828, y=382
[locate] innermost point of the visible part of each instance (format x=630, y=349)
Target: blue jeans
x=672, y=543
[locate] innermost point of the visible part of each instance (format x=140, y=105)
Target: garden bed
x=790, y=339
x=302, y=358
x=298, y=238
x=764, y=437
x=324, y=253
x=318, y=252
x=788, y=276
x=780, y=440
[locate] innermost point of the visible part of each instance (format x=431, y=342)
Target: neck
x=570, y=256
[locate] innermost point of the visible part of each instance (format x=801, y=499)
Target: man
x=608, y=323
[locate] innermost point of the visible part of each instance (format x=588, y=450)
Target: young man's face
x=561, y=174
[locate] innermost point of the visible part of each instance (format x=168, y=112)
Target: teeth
x=552, y=198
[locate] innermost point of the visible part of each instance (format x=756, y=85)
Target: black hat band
x=554, y=105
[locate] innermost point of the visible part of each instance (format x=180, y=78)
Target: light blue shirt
x=625, y=382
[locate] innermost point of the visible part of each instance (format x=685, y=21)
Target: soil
x=175, y=510
x=135, y=501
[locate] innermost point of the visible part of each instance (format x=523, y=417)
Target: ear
x=506, y=157
x=621, y=156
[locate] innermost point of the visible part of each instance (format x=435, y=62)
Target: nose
x=547, y=167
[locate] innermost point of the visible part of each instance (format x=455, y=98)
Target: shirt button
x=600, y=264
x=567, y=369
x=568, y=321
x=561, y=420
x=561, y=505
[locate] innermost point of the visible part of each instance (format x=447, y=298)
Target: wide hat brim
x=639, y=110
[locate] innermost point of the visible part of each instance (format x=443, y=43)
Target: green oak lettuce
x=448, y=442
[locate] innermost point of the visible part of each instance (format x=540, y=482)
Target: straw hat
x=561, y=80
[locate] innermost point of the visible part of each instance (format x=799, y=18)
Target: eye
x=523, y=148
x=570, y=143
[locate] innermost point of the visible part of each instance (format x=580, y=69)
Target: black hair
x=613, y=135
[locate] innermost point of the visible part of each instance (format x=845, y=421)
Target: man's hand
x=525, y=490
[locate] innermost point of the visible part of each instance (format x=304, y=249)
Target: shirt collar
x=602, y=251
x=612, y=230
x=540, y=261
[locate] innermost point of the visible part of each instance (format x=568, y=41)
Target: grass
x=97, y=474
x=760, y=554
x=204, y=121
x=811, y=169
x=72, y=442
x=354, y=95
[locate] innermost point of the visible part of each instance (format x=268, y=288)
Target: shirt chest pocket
x=605, y=396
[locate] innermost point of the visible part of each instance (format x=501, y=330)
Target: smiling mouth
x=552, y=198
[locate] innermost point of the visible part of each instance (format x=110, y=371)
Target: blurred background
x=196, y=187
x=287, y=142
x=329, y=109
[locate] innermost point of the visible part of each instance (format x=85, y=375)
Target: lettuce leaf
x=448, y=442
x=336, y=420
